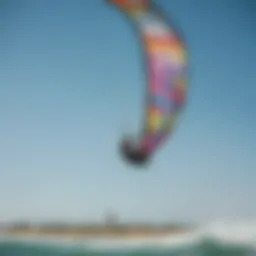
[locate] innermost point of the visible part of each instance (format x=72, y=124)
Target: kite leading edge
x=166, y=65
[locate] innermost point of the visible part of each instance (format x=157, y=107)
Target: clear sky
x=71, y=85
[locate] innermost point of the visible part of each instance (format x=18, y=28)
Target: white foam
x=228, y=231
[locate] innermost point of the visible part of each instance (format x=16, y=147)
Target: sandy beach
x=93, y=232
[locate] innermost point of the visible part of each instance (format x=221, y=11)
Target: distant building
x=20, y=225
x=111, y=219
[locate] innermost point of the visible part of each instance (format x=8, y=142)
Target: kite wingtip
x=133, y=155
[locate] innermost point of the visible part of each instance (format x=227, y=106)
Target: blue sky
x=71, y=85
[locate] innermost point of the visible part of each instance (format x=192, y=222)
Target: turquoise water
x=221, y=239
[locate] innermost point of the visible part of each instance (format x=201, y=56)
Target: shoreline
x=93, y=232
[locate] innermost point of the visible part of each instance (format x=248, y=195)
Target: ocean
x=218, y=239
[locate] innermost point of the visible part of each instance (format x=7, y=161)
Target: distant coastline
x=93, y=231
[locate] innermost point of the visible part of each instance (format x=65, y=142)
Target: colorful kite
x=166, y=65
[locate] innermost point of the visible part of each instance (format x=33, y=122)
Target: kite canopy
x=165, y=64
